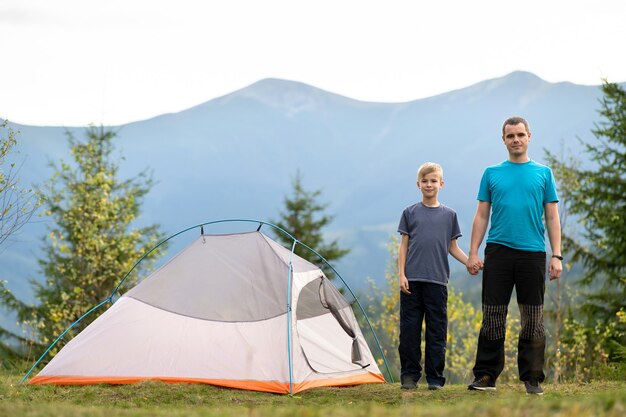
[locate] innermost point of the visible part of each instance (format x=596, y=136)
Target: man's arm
x=479, y=228
x=553, y=224
x=404, y=249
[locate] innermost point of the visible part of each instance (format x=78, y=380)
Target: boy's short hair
x=429, y=168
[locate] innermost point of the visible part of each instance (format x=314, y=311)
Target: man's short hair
x=515, y=120
x=429, y=168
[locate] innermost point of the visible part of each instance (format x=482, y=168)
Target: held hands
x=474, y=264
x=404, y=285
x=555, y=268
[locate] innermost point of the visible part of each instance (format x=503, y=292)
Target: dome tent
x=234, y=310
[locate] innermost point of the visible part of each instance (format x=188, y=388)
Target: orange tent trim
x=265, y=386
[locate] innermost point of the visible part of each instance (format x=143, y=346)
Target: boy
x=429, y=232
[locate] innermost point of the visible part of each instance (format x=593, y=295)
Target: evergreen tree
x=92, y=244
x=304, y=218
x=597, y=196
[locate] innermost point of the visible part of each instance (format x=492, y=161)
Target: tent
x=233, y=310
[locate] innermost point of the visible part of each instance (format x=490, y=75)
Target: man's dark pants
x=427, y=301
x=504, y=269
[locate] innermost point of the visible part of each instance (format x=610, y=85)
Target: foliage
x=17, y=205
x=463, y=327
x=597, y=196
x=383, y=308
x=585, y=348
x=303, y=218
x=91, y=244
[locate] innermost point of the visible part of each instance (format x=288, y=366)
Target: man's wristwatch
x=559, y=257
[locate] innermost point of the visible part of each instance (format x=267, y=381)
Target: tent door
x=327, y=329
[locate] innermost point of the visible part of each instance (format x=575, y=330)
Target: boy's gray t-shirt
x=430, y=230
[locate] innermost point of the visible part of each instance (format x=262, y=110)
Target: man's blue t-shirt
x=517, y=193
x=430, y=230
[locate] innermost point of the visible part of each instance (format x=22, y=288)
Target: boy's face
x=430, y=184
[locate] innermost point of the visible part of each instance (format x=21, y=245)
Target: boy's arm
x=479, y=228
x=456, y=252
x=404, y=249
x=553, y=224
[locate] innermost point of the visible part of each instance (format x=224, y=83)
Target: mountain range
x=236, y=156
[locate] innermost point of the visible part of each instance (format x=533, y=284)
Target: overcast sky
x=76, y=62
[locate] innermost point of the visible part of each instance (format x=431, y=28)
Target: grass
x=601, y=399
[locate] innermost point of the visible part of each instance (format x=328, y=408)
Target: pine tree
x=92, y=243
x=597, y=197
x=304, y=218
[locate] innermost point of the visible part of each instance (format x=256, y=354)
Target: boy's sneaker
x=484, y=383
x=408, y=382
x=533, y=387
x=434, y=387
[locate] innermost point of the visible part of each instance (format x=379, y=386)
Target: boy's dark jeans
x=427, y=301
x=504, y=269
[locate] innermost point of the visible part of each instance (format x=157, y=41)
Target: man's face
x=516, y=139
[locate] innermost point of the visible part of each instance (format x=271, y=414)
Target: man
x=517, y=194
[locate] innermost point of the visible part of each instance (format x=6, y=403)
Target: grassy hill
x=597, y=399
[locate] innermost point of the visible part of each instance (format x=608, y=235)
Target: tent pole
x=289, y=350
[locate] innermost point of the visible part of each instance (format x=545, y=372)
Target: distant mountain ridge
x=235, y=157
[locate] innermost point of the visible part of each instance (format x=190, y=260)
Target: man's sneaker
x=434, y=387
x=484, y=383
x=533, y=387
x=408, y=382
